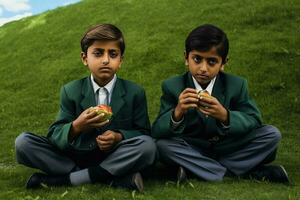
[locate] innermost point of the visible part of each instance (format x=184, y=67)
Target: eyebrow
x=214, y=57
x=100, y=49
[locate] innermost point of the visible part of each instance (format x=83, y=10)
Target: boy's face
x=204, y=66
x=103, y=59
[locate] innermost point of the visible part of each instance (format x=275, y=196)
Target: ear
x=83, y=57
x=223, y=64
x=226, y=61
x=185, y=58
x=222, y=68
x=121, y=61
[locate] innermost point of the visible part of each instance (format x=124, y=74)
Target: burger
x=204, y=94
x=104, y=109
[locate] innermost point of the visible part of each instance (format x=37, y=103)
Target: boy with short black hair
x=83, y=146
x=207, y=124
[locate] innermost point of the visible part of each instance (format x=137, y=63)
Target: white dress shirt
x=102, y=94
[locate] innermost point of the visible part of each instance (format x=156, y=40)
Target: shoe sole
x=285, y=174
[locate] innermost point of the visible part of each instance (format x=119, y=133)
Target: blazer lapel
x=218, y=89
x=117, y=100
x=218, y=93
x=87, y=92
x=189, y=81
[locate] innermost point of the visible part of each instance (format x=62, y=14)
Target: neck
x=204, y=86
x=101, y=82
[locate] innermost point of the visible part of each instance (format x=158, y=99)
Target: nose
x=203, y=66
x=105, y=59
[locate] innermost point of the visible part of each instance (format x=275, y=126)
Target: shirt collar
x=109, y=86
x=209, y=88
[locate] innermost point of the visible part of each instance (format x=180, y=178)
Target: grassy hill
x=41, y=53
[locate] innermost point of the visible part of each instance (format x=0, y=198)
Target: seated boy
x=81, y=146
x=207, y=124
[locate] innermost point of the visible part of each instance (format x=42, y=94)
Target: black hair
x=205, y=37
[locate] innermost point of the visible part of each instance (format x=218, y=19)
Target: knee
x=22, y=142
x=274, y=133
x=162, y=145
x=163, y=149
x=147, y=148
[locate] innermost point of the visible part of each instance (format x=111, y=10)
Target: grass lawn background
x=41, y=53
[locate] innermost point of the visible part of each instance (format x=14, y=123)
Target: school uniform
x=202, y=144
x=57, y=154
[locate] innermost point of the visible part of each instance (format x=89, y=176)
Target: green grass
x=41, y=53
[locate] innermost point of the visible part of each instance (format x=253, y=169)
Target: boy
x=81, y=147
x=218, y=133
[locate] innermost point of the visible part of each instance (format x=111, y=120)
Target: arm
x=58, y=132
x=68, y=126
x=240, y=117
x=173, y=107
x=244, y=116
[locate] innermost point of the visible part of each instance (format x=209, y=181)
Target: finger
x=106, y=137
x=204, y=111
x=90, y=109
x=190, y=97
x=99, y=124
x=189, y=90
x=204, y=104
x=106, y=133
x=91, y=114
x=212, y=100
x=187, y=106
x=104, y=143
x=189, y=93
x=189, y=100
x=97, y=118
x=106, y=148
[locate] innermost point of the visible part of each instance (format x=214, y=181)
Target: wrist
x=75, y=128
x=224, y=119
x=177, y=115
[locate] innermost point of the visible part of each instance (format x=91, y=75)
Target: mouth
x=202, y=76
x=104, y=69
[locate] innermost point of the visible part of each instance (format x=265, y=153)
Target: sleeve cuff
x=175, y=124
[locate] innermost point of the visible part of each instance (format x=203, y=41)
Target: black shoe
x=181, y=175
x=271, y=173
x=37, y=180
x=132, y=181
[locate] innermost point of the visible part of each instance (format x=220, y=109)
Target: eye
x=212, y=61
x=97, y=53
x=197, y=59
x=113, y=54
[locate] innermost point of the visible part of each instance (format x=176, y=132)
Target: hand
x=212, y=107
x=108, y=139
x=188, y=98
x=86, y=120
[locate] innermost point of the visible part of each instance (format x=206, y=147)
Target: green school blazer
x=130, y=115
x=207, y=132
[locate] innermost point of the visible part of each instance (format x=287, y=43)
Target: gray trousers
x=177, y=151
x=128, y=156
